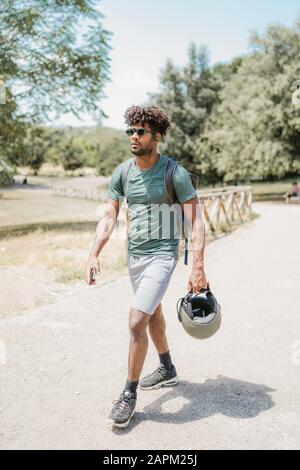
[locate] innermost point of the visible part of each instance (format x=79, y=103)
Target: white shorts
x=150, y=277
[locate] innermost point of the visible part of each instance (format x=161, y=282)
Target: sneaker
x=123, y=409
x=161, y=377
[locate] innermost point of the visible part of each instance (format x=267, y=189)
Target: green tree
x=112, y=155
x=54, y=141
x=12, y=130
x=35, y=147
x=254, y=133
x=188, y=95
x=71, y=154
x=53, y=60
x=6, y=172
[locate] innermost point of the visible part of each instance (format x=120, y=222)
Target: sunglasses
x=139, y=130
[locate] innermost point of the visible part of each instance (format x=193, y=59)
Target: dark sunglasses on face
x=139, y=130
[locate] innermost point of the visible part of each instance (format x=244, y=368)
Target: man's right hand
x=92, y=265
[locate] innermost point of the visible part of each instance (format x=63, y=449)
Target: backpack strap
x=169, y=171
x=124, y=173
x=195, y=180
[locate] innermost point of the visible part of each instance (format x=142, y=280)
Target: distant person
x=294, y=191
x=151, y=259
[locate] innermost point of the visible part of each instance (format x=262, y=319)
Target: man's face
x=143, y=145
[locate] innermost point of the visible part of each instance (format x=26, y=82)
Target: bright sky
x=148, y=32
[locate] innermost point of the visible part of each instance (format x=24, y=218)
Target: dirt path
x=63, y=364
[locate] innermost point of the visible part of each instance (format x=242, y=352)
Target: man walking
x=152, y=257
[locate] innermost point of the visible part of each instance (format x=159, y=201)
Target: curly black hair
x=155, y=117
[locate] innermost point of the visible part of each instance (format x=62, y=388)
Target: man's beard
x=141, y=151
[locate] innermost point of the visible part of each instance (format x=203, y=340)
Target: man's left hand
x=197, y=280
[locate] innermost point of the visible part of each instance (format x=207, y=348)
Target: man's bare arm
x=103, y=232
x=193, y=216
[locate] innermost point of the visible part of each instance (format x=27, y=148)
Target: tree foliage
x=112, y=155
x=54, y=59
x=236, y=121
x=189, y=95
x=231, y=122
x=102, y=148
x=254, y=133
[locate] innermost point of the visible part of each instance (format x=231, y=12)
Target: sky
x=148, y=32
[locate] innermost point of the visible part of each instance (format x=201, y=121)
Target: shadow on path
x=230, y=397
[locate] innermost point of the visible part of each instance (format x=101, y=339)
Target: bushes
x=6, y=172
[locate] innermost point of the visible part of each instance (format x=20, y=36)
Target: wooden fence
x=225, y=207
x=222, y=207
x=81, y=193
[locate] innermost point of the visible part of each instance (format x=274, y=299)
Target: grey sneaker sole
x=122, y=425
x=165, y=383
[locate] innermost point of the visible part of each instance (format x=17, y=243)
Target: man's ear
x=158, y=137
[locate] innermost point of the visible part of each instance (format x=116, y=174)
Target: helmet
x=199, y=314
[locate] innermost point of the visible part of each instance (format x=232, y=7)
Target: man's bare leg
x=157, y=330
x=138, y=346
x=163, y=376
x=124, y=407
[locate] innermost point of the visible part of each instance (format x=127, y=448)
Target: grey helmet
x=199, y=314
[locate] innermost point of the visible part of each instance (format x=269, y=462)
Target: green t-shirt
x=152, y=229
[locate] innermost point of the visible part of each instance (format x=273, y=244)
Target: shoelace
x=161, y=369
x=123, y=401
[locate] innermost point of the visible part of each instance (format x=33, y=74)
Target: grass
x=63, y=252
x=271, y=190
x=25, y=206
x=44, y=245
x=38, y=228
x=266, y=190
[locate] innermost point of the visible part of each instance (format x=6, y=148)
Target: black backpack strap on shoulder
x=124, y=173
x=195, y=180
x=170, y=168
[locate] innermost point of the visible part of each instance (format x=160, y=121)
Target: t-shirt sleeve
x=183, y=184
x=115, y=186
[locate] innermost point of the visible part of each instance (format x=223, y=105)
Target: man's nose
x=135, y=136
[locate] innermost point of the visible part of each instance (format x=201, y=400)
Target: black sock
x=131, y=386
x=165, y=360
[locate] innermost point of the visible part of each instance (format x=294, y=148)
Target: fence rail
x=221, y=206
x=81, y=193
x=226, y=206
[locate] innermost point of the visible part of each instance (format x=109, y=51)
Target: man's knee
x=157, y=312
x=157, y=323
x=138, y=322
